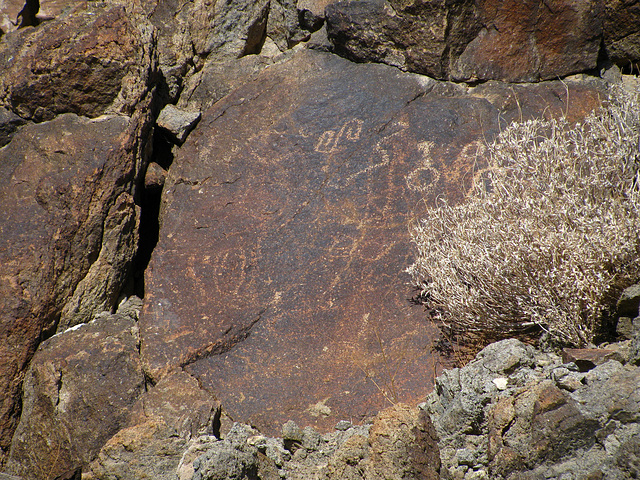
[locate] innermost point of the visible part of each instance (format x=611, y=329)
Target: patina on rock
x=277, y=279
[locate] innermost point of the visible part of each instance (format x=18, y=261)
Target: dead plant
x=550, y=237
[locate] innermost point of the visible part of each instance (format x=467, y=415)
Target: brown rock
x=622, y=32
x=588, y=358
x=218, y=79
x=9, y=10
x=421, y=37
x=77, y=394
x=278, y=275
x=572, y=99
x=90, y=62
x=277, y=279
x=404, y=445
x=528, y=41
x=9, y=124
x=67, y=234
x=470, y=41
x=348, y=462
x=540, y=424
x=159, y=428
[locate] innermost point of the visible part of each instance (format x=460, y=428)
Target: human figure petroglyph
x=329, y=140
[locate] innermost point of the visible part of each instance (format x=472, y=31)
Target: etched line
x=424, y=178
x=329, y=140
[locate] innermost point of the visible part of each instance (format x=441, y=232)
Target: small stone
x=588, y=358
x=466, y=457
x=624, y=328
x=155, y=176
x=177, y=122
x=343, y=425
x=258, y=441
x=629, y=302
x=291, y=431
x=311, y=439
x=501, y=383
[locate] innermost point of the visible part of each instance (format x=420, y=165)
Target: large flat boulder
x=278, y=276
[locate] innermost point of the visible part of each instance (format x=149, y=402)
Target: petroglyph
x=424, y=178
x=329, y=140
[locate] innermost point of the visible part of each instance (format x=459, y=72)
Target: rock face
x=67, y=234
x=276, y=291
x=477, y=41
x=159, y=426
x=92, y=62
x=92, y=373
x=286, y=209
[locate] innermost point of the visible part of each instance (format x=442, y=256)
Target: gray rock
x=343, y=425
x=634, y=350
x=629, y=302
x=223, y=461
x=9, y=123
x=177, y=122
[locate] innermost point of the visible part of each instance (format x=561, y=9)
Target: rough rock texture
x=421, y=37
x=67, y=234
x=477, y=41
x=9, y=123
x=259, y=285
x=217, y=79
x=531, y=41
x=400, y=444
x=91, y=61
x=621, y=32
x=158, y=430
x=403, y=445
x=91, y=373
x=282, y=292
x=177, y=122
x=547, y=419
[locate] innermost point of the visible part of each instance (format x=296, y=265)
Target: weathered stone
x=219, y=78
x=154, y=176
x=629, y=302
x=528, y=41
x=622, y=32
x=471, y=41
x=177, y=122
x=349, y=460
x=289, y=252
x=160, y=426
x=286, y=207
x=145, y=451
x=541, y=424
x=588, y=358
x=283, y=25
x=612, y=392
x=421, y=37
x=9, y=123
x=67, y=234
x=570, y=98
x=404, y=445
x=90, y=62
x=9, y=11
x=76, y=394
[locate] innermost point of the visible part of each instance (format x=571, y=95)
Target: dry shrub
x=550, y=235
